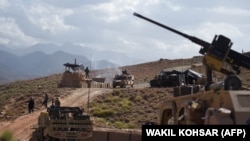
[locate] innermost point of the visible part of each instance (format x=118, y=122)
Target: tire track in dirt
x=21, y=126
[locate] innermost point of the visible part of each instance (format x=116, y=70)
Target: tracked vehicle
x=73, y=76
x=63, y=123
x=223, y=102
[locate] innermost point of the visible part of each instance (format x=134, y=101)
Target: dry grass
x=14, y=96
x=124, y=108
x=128, y=108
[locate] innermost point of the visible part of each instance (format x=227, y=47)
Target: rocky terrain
x=14, y=96
x=116, y=108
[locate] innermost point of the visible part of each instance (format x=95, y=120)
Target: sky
x=111, y=25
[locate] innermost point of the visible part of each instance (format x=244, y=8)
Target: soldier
x=31, y=105
x=125, y=71
x=87, y=72
x=52, y=103
x=45, y=102
x=57, y=102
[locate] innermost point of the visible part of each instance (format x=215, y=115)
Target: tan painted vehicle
x=224, y=102
x=123, y=80
x=63, y=123
x=208, y=107
x=73, y=76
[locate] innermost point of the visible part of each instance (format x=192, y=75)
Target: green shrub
x=116, y=93
x=120, y=125
x=131, y=125
x=6, y=136
x=112, y=99
x=103, y=113
x=125, y=105
x=138, y=98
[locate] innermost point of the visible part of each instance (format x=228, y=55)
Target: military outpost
x=75, y=76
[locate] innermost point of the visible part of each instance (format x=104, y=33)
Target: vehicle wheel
x=232, y=82
x=181, y=118
x=48, y=138
x=167, y=117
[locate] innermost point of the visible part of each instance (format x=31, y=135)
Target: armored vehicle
x=73, y=76
x=175, y=77
x=63, y=123
x=123, y=80
x=223, y=102
x=167, y=79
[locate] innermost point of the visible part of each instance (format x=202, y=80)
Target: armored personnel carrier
x=73, y=76
x=63, y=123
x=167, y=79
x=174, y=77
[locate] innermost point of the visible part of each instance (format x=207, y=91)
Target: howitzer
x=189, y=105
x=216, y=54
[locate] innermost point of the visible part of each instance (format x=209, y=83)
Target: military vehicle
x=167, y=79
x=73, y=76
x=224, y=102
x=63, y=123
x=123, y=80
x=175, y=77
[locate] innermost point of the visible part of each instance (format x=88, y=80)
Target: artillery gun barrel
x=162, y=25
x=235, y=57
x=198, y=41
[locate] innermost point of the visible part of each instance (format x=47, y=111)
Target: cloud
x=4, y=4
x=230, y=11
x=110, y=24
x=126, y=42
x=12, y=35
x=49, y=18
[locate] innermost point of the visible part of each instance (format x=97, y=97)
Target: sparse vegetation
x=6, y=136
x=128, y=108
x=16, y=94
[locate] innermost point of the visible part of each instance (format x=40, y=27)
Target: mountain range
x=45, y=59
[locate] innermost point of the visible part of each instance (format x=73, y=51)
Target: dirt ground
x=78, y=97
x=21, y=127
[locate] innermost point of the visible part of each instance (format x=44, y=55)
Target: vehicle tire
x=48, y=138
x=232, y=82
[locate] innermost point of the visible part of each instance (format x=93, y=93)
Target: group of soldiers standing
x=31, y=103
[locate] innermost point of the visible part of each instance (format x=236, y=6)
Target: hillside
x=146, y=71
x=127, y=108
x=13, y=96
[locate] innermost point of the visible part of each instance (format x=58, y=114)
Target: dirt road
x=21, y=126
